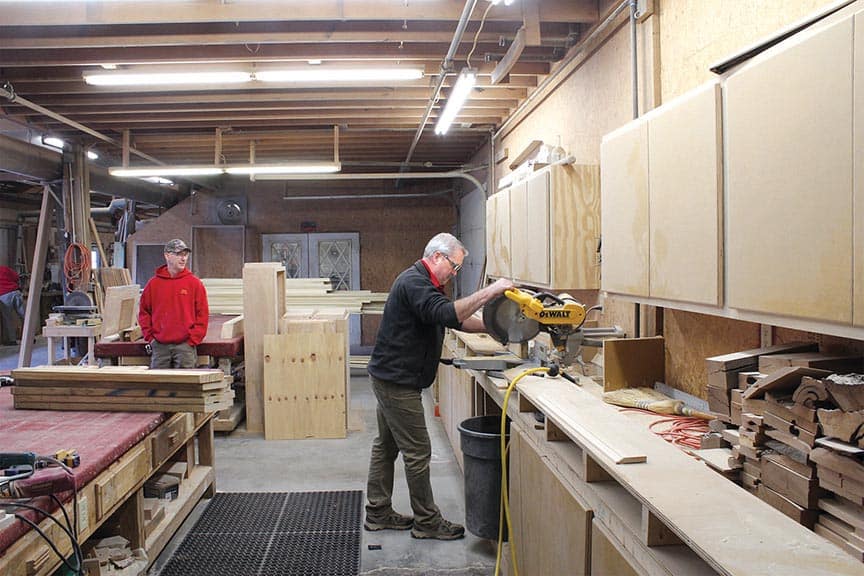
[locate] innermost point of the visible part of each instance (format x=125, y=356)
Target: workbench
x=119, y=451
x=576, y=511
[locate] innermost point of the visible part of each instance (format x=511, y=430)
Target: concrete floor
x=247, y=463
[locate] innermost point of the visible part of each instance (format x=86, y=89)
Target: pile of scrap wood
x=121, y=389
x=797, y=435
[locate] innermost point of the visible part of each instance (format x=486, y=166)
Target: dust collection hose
x=504, y=513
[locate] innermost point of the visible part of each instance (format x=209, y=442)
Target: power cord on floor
x=504, y=513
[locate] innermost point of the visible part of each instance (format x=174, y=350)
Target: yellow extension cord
x=504, y=512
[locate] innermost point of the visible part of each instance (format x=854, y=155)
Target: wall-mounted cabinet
x=858, y=156
x=790, y=179
x=545, y=230
x=662, y=200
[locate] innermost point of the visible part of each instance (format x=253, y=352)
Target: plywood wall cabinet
x=858, y=156
x=790, y=179
x=624, y=218
x=551, y=227
x=498, y=234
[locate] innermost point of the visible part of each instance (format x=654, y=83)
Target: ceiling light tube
x=166, y=78
x=53, y=141
x=458, y=95
x=143, y=172
x=339, y=75
x=286, y=168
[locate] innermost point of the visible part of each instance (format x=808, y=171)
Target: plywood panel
x=606, y=558
x=685, y=192
x=218, y=251
x=624, y=209
x=263, y=305
x=858, y=155
x=789, y=159
x=520, y=235
x=305, y=381
x=498, y=234
x=537, y=229
x=575, y=220
x=554, y=529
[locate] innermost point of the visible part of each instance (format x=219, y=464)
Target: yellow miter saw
x=519, y=315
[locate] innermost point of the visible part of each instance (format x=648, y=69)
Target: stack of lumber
x=121, y=389
x=225, y=296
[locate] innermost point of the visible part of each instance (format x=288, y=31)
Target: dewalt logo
x=555, y=314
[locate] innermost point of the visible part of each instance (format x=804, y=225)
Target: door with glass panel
x=335, y=256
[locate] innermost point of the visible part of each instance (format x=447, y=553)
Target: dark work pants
x=173, y=355
x=401, y=428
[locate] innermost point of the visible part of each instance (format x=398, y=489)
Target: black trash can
x=480, y=438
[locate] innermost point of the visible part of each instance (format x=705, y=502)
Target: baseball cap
x=176, y=246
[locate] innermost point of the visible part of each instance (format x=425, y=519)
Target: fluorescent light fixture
x=236, y=169
x=506, y=2
x=286, y=168
x=165, y=171
x=458, y=95
x=92, y=155
x=53, y=142
x=159, y=180
x=339, y=74
x=166, y=78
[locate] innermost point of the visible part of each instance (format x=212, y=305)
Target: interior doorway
x=320, y=255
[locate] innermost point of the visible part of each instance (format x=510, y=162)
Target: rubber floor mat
x=273, y=534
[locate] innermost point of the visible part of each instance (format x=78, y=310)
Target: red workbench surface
x=213, y=344
x=99, y=437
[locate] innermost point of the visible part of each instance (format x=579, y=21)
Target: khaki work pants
x=401, y=428
x=173, y=355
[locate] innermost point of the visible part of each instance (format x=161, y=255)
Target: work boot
x=444, y=531
x=391, y=521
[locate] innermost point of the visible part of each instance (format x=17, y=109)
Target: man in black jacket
x=403, y=363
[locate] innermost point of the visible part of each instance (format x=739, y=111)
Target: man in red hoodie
x=173, y=313
x=11, y=305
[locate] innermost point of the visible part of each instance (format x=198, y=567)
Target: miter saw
x=519, y=315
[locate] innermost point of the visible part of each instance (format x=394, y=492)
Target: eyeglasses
x=456, y=267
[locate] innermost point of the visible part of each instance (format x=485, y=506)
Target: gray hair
x=444, y=243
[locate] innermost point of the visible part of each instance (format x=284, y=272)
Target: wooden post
x=31, y=317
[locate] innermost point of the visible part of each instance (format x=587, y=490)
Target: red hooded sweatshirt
x=8, y=280
x=174, y=310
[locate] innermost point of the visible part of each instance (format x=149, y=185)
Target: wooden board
x=529, y=230
x=575, y=226
x=305, y=382
x=121, y=308
x=789, y=169
x=263, y=306
x=606, y=554
x=478, y=343
x=633, y=362
x=685, y=198
x=858, y=156
x=624, y=210
x=498, y=234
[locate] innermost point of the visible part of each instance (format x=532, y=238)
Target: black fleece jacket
x=411, y=334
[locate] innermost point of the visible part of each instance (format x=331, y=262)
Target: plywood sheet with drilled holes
x=685, y=193
x=498, y=234
x=858, y=211
x=624, y=209
x=575, y=220
x=305, y=381
x=789, y=170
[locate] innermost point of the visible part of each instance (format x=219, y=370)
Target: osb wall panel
x=690, y=338
x=696, y=35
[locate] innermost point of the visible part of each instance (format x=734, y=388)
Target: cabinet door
x=789, y=168
x=858, y=107
x=498, y=234
x=574, y=219
x=624, y=210
x=685, y=198
x=529, y=230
